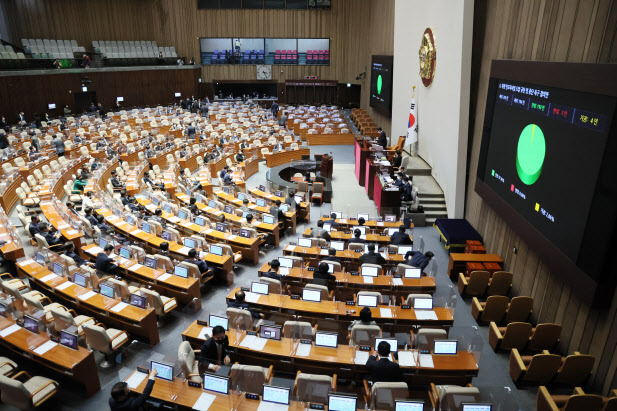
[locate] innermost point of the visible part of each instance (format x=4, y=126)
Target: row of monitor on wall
x=119, y=99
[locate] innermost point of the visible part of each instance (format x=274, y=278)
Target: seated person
x=241, y=304
x=86, y=200
x=133, y=204
x=69, y=251
x=193, y=206
x=103, y=262
x=214, y=351
x=332, y=221
x=224, y=172
x=227, y=180
x=157, y=217
x=366, y=318
x=400, y=237
x=356, y=237
x=245, y=205
x=124, y=197
x=71, y=207
x=240, y=156
x=201, y=264
x=115, y=183
x=91, y=219
x=276, y=211
x=361, y=221
x=382, y=369
x=51, y=238
x=120, y=399
x=33, y=227
x=332, y=256
x=290, y=200
x=320, y=232
x=397, y=160
x=418, y=259
x=273, y=272
x=100, y=223
x=32, y=154
x=321, y=273
x=372, y=257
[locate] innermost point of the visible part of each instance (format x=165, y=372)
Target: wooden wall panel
x=546, y=30
x=356, y=28
x=139, y=88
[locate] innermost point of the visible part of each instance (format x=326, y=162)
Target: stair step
x=429, y=195
x=434, y=207
x=418, y=172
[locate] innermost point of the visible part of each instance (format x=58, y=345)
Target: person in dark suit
x=273, y=272
x=372, y=257
x=69, y=251
x=322, y=272
x=91, y=219
x=4, y=142
x=51, y=238
x=356, y=237
x=201, y=264
x=382, y=369
x=114, y=180
x=239, y=303
x=120, y=400
x=275, y=109
x=332, y=221
x=33, y=227
x=320, y=232
x=405, y=189
x=103, y=262
x=191, y=131
x=290, y=200
x=398, y=182
x=227, y=180
x=215, y=351
x=240, y=156
x=193, y=206
x=400, y=237
x=21, y=119
x=332, y=256
x=204, y=110
x=382, y=140
x=418, y=259
x=276, y=211
x=397, y=160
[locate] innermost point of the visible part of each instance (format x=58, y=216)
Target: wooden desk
x=284, y=354
x=349, y=259
x=184, y=290
x=178, y=393
x=387, y=201
x=303, y=210
x=400, y=320
x=78, y=365
x=458, y=261
x=284, y=157
x=347, y=285
x=350, y=224
x=250, y=167
x=59, y=224
x=153, y=242
x=342, y=236
x=133, y=320
x=361, y=152
x=330, y=139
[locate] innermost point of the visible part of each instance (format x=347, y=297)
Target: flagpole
x=413, y=95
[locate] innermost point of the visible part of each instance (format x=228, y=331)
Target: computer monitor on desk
x=361, y=228
x=181, y=271
x=400, y=405
x=286, y=262
x=260, y=202
x=392, y=230
x=57, y=268
x=107, y=290
x=327, y=227
x=227, y=209
x=413, y=272
x=145, y=227
x=103, y=242
x=259, y=288
x=164, y=371
x=393, y=342
x=367, y=301
x=189, y=242
x=31, y=324
x=445, y=347
x=477, y=407
x=216, y=250
x=305, y=242
x=182, y=215
x=340, y=402
x=337, y=214
x=404, y=249
x=268, y=219
x=166, y=235
x=363, y=215
x=200, y=221
x=337, y=245
x=215, y=320
x=222, y=227
x=326, y=339
x=68, y=340
x=212, y=204
x=369, y=271
x=271, y=332
x=311, y=295
x=138, y=301
x=241, y=196
x=390, y=218
x=79, y=279
x=125, y=252
x=150, y=262
x=216, y=383
x=276, y=395
x=422, y=303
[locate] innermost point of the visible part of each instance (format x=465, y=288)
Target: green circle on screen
x=530, y=154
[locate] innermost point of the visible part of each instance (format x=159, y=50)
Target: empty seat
x=29, y=394
x=537, y=369
x=494, y=309
x=314, y=387
x=381, y=395
x=474, y=285
x=250, y=378
x=515, y=335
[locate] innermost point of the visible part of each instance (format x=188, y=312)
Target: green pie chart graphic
x=379, y=83
x=530, y=154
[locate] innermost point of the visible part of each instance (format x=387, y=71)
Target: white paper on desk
x=9, y=330
x=269, y=406
x=361, y=357
x=163, y=277
x=368, y=280
x=380, y=224
x=323, y=251
x=406, y=359
x=384, y=255
x=284, y=271
x=135, y=232
x=134, y=380
x=119, y=307
x=255, y=223
x=385, y=312
x=204, y=401
x=95, y=250
x=258, y=343
x=113, y=255
x=72, y=232
x=43, y=348
x=342, y=220
x=251, y=297
x=87, y=295
x=426, y=315
x=426, y=360
x=151, y=207
x=136, y=267
x=64, y=285
x=304, y=350
x=63, y=226
x=207, y=231
x=174, y=219
x=113, y=218
x=231, y=237
x=247, y=341
x=205, y=333
x=49, y=277
x=183, y=250
x=290, y=247
x=397, y=281
x=26, y=262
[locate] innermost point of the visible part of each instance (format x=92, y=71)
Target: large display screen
x=544, y=156
x=381, y=84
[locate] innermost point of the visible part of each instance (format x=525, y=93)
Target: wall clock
x=264, y=72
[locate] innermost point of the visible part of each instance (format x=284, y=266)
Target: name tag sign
x=317, y=406
x=194, y=384
x=364, y=348
x=350, y=303
x=204, y=323
x=305, y=342
x=295, y=297
x=245, y=289
x=405, y=307
x=251, y=333
x=144, y=370
x=355, y=273
x=250, y=396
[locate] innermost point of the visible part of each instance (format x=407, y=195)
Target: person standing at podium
x=382, y=140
